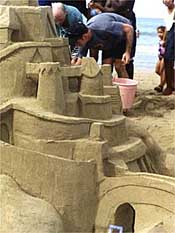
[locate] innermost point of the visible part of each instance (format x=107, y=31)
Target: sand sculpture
x=69, y=159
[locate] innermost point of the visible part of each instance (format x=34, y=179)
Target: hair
x=162, y=28
x=77, y=30
x=58, y=5
x=171, y=1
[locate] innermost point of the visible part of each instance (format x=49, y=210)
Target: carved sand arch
x=156, y=193
x=125, y=216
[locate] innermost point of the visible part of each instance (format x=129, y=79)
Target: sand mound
x=154, y=111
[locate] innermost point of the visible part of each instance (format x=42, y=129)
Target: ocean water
x=147, y=43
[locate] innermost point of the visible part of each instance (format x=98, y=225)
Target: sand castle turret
x=64, y=140
x=94, y=104
x=50, y=88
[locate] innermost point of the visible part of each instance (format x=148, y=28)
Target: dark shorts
x=116, y=52
x=169, y=49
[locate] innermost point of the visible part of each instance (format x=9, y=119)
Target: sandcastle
x=70, y=161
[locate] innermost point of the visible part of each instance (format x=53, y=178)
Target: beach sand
x=153, y=111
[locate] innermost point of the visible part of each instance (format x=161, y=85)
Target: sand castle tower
x=70, y=161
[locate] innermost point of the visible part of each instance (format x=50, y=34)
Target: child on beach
x=160, y=67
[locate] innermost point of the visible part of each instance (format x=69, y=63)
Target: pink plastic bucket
x=127, y=89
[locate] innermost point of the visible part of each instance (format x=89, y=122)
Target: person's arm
x=93, y=4
x=123, y=30
x=118, y=5
x=129, y=32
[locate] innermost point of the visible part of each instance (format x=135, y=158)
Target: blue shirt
x=107, y=32
x=73, y=16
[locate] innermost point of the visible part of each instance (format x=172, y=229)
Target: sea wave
x=147, y=43
x=148, y=49
x=152, y=34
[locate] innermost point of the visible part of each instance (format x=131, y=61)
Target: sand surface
x=154, y=111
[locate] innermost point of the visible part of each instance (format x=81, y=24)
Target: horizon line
x=149, y=17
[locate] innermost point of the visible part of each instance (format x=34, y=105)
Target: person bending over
x=125, y=9
x=65, y=16
x=104, y=32
x=80, y=4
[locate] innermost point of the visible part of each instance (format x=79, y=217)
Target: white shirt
x=169, y=19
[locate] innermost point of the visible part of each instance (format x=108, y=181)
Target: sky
x=149, y=8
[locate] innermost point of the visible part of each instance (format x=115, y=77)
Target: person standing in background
x=45, y=2
x=96, y=7
x=160, y=66
x=169, y=56
x=79, y=4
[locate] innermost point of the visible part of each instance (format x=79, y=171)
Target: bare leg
x=94, y=54
x=120, y=69
x=162, y=79
x=108, y=61
x=130, y=69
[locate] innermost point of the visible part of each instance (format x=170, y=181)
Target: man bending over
x=104, y=32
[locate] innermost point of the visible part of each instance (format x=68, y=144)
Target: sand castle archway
x=146, y=194
x=125, y=216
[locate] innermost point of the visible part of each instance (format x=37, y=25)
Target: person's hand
x=126, y=58
x=76, y=61
x=73, y=61
x=79, y=61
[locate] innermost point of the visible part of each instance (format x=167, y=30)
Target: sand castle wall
x=68, y=185
x=19, y=2
x=25, y=41
x=16, y=24
x=13, y=70
x=25, y=212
